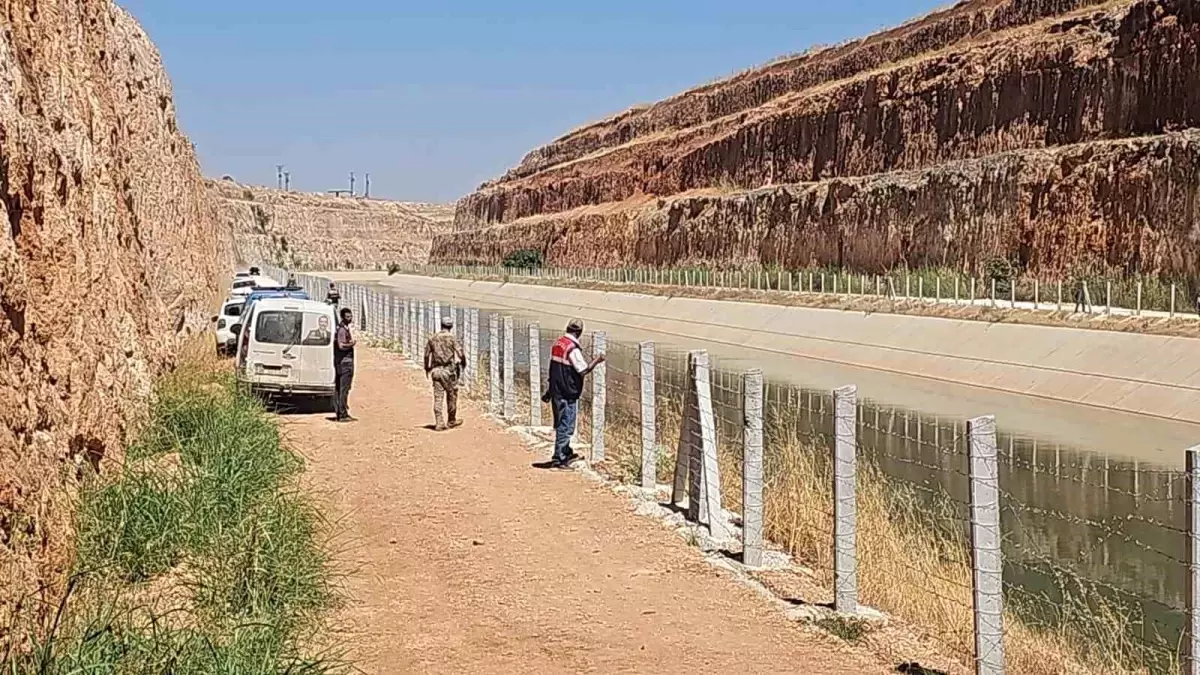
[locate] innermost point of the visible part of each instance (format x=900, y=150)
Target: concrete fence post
x=986, y=559
x=435, y=319
x=845, y=500
x=510, y=386
x=993, y=293
x=1108, y=298
x=599, y=395
x=472, y=327
x=1059, y=305
x=535, y=375
x=1172, y=301
x=972, y=290
x=697, y=471
x=494, y=402
x=1139, y=298
x=649, y=417
x=752, y=469
x=422, y=323
x=410, y=329
x=1192, y=623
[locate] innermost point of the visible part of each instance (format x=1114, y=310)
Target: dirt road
x=468, y=559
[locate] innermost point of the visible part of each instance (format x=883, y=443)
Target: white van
x=246, y=285
x=285, y=346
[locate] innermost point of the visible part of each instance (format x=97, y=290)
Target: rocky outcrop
x=298, y=230
x=920, y=145
x=109, y=258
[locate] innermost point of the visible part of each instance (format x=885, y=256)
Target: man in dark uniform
x=343, y=366
x=567, y=370
x=333, y=297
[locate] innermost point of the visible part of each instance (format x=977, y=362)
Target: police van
x=285, y=347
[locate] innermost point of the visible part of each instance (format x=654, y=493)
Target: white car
x=246, y=285
x=231, y=313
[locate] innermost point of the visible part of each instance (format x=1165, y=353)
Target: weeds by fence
x=1035, y=559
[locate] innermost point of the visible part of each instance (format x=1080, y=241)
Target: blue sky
x=433, y=98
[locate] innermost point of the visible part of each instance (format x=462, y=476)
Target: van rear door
x=316, y=349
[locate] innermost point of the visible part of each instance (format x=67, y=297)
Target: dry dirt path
x=468, y=559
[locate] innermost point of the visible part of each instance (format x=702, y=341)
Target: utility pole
x=351, y=183
x=279, y=176
x=287, y=181
x=368, y=192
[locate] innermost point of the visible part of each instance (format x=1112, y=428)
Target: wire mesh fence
x=1091, y=557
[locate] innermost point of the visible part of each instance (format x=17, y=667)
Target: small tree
x=525, y=258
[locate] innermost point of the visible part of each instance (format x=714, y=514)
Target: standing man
x=343, y=366
x=444, y=360
x=568, y=367
x=333, y=297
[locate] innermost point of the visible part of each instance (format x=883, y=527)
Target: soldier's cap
x=575, y=326
x=447, y=322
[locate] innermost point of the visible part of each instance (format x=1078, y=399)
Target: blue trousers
x=565, y=413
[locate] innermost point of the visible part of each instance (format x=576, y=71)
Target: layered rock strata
x=1053, y=133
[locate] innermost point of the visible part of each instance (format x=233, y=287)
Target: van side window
x=234, y=309
x=278, y=328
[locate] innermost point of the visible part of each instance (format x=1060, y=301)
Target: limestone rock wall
x=902, y=148
x=110, y=258
x=299, y=230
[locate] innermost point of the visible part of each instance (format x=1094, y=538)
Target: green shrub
x=523, y=259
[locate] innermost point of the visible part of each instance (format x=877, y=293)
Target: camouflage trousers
x=445, y=396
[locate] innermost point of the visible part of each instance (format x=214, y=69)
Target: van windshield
x=243, y=284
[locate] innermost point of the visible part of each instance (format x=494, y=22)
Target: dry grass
x=914, y=560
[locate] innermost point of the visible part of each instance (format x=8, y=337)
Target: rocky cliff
x=300, y=230
x=1051, y=132
x=109, y=258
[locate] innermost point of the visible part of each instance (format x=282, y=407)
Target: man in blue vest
x=568, y=367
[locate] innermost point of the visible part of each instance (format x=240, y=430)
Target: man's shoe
x=455, y=424
x=439, y=427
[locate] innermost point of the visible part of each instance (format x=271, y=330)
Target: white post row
x=510, y=386
x=535, y=375
x=599, y=395
x=649, y=420
x=752, y=469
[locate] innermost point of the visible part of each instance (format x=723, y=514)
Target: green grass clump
x=199, y=557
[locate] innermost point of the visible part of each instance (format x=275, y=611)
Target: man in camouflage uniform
x=444, y=360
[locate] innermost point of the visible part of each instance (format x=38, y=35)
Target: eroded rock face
x=300, y=230
x=914, y=146
x=109, y=259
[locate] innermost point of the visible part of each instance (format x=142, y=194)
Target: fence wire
x=1095, y=555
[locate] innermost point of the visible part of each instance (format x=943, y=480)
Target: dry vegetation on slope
x=109, y=257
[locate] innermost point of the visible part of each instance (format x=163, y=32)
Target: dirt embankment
x=1054, y=133
x=110, y=258
x=301, y=230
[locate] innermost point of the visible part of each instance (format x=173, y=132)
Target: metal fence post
x=535, y=375
x=1192, y=624
x=752, y=469
x=845, y=500
x=494, y=404
x=510, y=387
x=649, y=417
x=986, y=558
x=599, y=396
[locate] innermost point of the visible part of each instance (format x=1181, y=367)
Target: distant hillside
x=315, y=231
